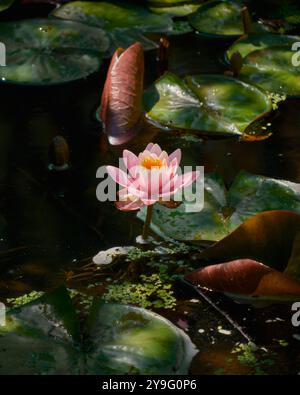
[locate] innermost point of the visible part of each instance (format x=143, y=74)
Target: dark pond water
x=51, y=221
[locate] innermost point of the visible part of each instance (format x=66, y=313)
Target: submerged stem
x=147, y=223
x=246, y=19
x=163, y=56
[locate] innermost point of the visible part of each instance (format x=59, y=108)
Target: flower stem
x=147, y=223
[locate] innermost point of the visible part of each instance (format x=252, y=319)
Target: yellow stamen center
x=150, y=162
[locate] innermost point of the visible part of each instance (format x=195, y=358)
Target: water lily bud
x=59, y=154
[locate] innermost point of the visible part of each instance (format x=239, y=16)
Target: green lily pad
x=272, y=69
x=210, y=103
x=180, y=27
x=248, y=44
x=137, y=340
x=176, y=9
x=224, y=210
x=219, y=17
x=113, y=15
x=45, y=336
x=124, y=22
x=222, y=18
x=5, y=4
x=45, y=52
x=167, y=2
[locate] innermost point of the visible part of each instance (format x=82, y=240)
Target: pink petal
x=139, y=193
x=118, y=175
x=169, y=188
x=128, y=202
x=155, y=149
x=175, y=155
x=164, y=156
x=166, y=179
x=129, y=205
x=123, y=194
x=173, y=166
x=154, y=184
x=149, y=147
x=141, y=178
x=130, y=159
x=143, y=155
x=186, y=179
x=150, y=183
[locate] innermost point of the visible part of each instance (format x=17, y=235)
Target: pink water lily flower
x=151, y=177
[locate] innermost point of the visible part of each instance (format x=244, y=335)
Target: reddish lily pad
x=248, y=278
x=267, y=237
x=121, y=104
x=260, y=259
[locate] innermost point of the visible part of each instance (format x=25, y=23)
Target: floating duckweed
x=21, y=300
x=179, y=248
x=276, y=98
x=151, y=292
x=282, y=342
x=248, y=355
x=84, y=301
